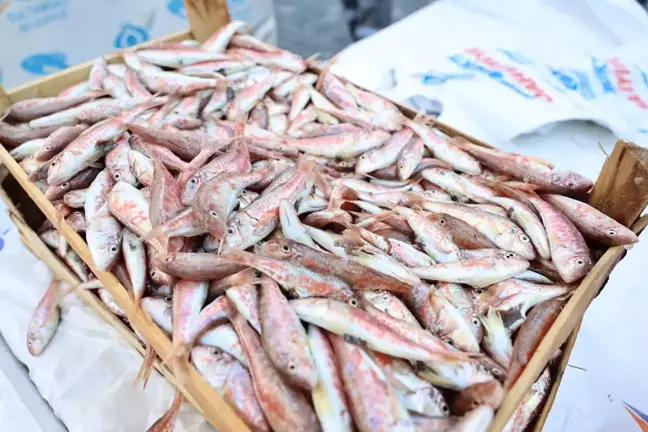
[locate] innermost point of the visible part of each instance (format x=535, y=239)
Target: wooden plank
x=53, y=84
x=206, y=16
x=622, y=192
x=207, y=401
x=566, y=322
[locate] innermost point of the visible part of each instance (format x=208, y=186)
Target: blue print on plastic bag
x=515, y=56
x=431, y=78
x=130, y=35
x=45, y=63
x=2, y=242
x=177, y=8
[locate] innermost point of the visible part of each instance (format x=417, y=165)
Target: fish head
x=160, y=311
x=246, y=198
x=475, y=325
x=62, y=168
x=237, y=232
x=522, y=244
x=103, y=235
x=571, y=264
x=617, y=234
x=190, y=189
x=213, y=222
x=213, y=364
x=36, y=343
x=279, y=248
x=461, y=373
x=570, y=182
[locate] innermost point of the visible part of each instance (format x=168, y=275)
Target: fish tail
x=144, y=372
x=157, y=233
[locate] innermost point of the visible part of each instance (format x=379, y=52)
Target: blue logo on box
x=45, y=63
x=177, y=8
x=130, y=35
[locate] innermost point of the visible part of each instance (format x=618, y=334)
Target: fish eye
x=168, y=259
x=117, y=176
x=353, y=302
x=193, y=181
x=571, y=184
x=213, y=213
x=445, y=408
x=65, y=185
x=53, y=163
x=479, y=291
x=153, y=273
x=442, y=221
x=611, y=233
x=113, y=248
x=230, y=230
x=285, y=248
x=48, y=148
x=448, y=341
x=77, y=213
x=292, y=366
x=401, y=166
x=524, y=238
x=244, y=192
x=475, y=322
x=580, y=262
x=363, y=157
x=168, y=299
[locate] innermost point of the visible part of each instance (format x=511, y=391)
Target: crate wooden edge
x=37, y=247
x=638, y=227
x=586, y=290
x=207, y=401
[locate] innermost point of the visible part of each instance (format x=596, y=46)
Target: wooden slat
x=33, y=242
x=566, y=322
x=207, y=401
x=622, y=192
x=206, y=16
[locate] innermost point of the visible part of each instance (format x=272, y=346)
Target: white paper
x=87, y=372
x=502, y=69
x=38, y=37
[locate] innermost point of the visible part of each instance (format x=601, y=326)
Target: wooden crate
x=624, y=176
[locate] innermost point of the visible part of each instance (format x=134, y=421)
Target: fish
x=529, y=170
x=340, y=146
x=284, y=338
x=530, y=335
x=569, y=252
x=391, y=305
x=531, y=404
x=354, y=274
x=75, y=198
x=516, y=295
x=297, y=279
x=497, y=341
x=188, y=299
x=104, y=237
x=245, y=298
x=329, y=398
x=30, y=109
x=500, y=230
x=461, y=299
x=285, y=408
x=196, y=266
x=416, y=394
x=234, y=384
x=462, y=234
x=385, y=155
x=477, y=273
x=134, y=254
x=44, y=320
x=372, y=402
x=343, y=319
x=28, y=148
x=224, y=338
x=592, y=223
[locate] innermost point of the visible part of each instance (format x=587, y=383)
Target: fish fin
x=322, y=183
x=144, y=372
x=325, y=70
x=157, y=233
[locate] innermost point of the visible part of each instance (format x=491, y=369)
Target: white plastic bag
x=502, y=68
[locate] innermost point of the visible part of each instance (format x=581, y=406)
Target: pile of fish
x=322, y=260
